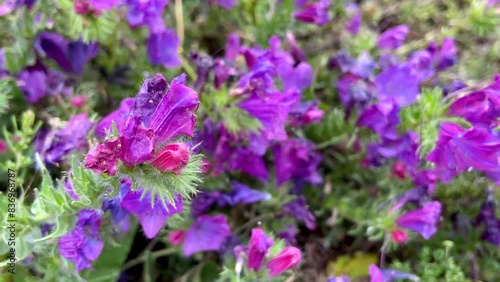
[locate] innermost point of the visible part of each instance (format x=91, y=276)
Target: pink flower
x=259, y=244
x=399, y=236
x=174, y=157
x=79, y=101
x=176, y=237
x=287, y=259
x=399, y=170
x=103, y=158
x=3, y=147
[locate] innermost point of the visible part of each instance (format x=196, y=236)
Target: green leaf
x=64, y=223
x=166, y=185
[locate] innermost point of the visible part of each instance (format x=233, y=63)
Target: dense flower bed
x=250, y=140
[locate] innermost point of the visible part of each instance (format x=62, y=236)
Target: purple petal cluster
x=422, y=220
x=315, y=13
x=83, y=245
x=296, y=159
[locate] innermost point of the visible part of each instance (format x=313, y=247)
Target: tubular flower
x=287, y=259
x=259, y=244
x=422, y=220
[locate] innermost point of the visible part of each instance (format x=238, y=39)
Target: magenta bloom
x=83, y=245
x=147, y=12
x=298, y=209
x=382, y=118
x=259, y=244
x=174, y=157
x=206, y=234
x=176, y=237
x=375, y=274
x=398, y=83
x=162, y=49
x=316, y=13
x=457, y=150
x=481, y=107
x=422, y=220
x=103, y=5
x=3, y=147
x=296, y=159
x=152, y=218
x=287, y=259
x=103, y=158
x=393, y=38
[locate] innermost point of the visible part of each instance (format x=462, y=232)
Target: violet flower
x=288, y=233
x=151, y=217
x=354, y=24
x=343, y=278
x=447, y=55
x=257, y=249
x=287, y=259
x=316, y=13
x=148, y=12
x=388, y=275
x=382, y=118
x=206, y=234
x=422, y=220
x=298, y=209
x=105, y=125
x=296, y=159
x=3, y=147
x=226, y=4
x=83, y=245
x=57, y=144
x=393, y=38
x=162, y=49
x=242, y=194
x=398, y=83
x=458, y=150
x=70, y=55
x=481, y=107
x=305, y=113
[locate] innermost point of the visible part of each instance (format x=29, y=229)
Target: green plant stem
x=142, y=259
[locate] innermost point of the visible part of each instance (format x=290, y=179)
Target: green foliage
x=434, y=266
x=166, y=185
x=483, y=20
x=89, y=27
x=4, y=95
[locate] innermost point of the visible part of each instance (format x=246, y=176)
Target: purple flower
x=305, y=113
x=151, y=216
x=83, y=245
x=242, y=194
x=421, y=63
x=354, y=24
x=118, y=116
x=457, y=150
x=114, y=204
x=488, y=217
x=382, y=118
x=162, y=49
x=226, y=4
x=248, y=162
x=103, y=5
x=316, y=13
x=344, y=278
x=296, y=51
x=70, y=55
x=204, y=201
x=388, y=275
x=57, y=144
x=393, y=38
x=32, y=82
x=481, y=108
x=422, y=220
x=296, y=159
x=354, y=91
x=68, y=187
x=298, y=209
x=298, y=78
x=175, y=113
x=206, y=234
x=10, y=5
x=447, y=55
x=453, y=86
x=233, y=46
x=257, y=249
x=148, y=98
x=147, y=12
x=272, y=111
x=398, y=83
x=288, y=233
